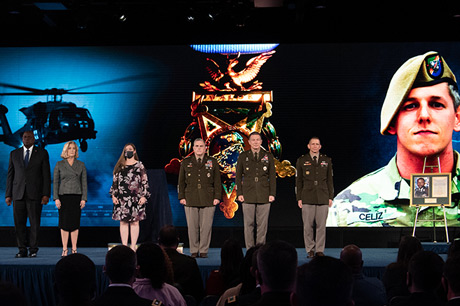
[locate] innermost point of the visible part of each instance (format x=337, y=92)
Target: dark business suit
x=121, y=296
x=26, y=186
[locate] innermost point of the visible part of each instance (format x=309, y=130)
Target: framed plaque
x=430, y=189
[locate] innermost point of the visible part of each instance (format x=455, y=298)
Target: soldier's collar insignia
x=434, y=66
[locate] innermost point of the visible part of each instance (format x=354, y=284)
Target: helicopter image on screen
x=54, y=121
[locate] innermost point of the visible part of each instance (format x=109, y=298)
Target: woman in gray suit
x=70, y=194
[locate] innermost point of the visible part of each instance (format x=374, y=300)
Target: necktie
x=255, y=155
x=26, y=158
x=315, y=160
x=199, y=161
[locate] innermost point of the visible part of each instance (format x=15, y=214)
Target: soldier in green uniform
x=421, y=109
x=314, y=193
x=199, y=191
x=256, y=189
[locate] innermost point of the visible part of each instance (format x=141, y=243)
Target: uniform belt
x=315, y=183
x=199, y=186
x=256, y=179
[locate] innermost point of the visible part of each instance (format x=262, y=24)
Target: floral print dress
x=129, y=186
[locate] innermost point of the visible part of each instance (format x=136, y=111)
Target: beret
x=419, y=71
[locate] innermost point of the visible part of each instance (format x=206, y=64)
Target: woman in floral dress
x=129, y=194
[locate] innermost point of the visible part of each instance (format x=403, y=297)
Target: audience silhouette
x=75, y=280
x=367, y=291
x=120, y=267
x=324, y=281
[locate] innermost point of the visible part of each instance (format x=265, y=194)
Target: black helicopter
x=53, y=121
x=57, y=121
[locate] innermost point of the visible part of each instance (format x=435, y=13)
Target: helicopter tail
x=6, y=130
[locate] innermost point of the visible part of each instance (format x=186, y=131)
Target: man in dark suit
x=256, y=189
x=120, y=267
x=28, y=187
x=187, y=274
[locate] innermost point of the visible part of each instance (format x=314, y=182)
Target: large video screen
x=146, y=95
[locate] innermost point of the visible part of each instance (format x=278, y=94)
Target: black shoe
x=194, y=255
x=311, y=254
x=20, y=255
x=203, y=255
x=33, y=254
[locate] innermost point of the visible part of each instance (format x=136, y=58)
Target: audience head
x=352, y=256
x=324, y=281
x=75, y=279
x=248, y=267
x=424, y=272
x=10, y=295
x=168, y=237
x=120, y=265
x=276, y=266
x=408, y=246
x=451, y=276
x=231, y=257
x=151, y=260
x=454, y=248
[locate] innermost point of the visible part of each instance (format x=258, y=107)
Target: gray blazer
x=70, y=179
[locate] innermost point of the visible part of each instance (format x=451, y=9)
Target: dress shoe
x=194, y=255
x=320, y=254
x=203, y=255
x=20, y=255
x=33, y=254
x=311, y=254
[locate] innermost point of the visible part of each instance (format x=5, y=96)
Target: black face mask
x=129, y=154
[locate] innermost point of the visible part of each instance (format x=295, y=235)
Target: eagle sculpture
x=233, y=80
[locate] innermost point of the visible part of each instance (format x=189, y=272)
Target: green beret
x=420, y=71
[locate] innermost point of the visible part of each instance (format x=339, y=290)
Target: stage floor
x=48, y=256
x=35, y=276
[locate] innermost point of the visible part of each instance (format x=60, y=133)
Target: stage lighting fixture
x=50, y=6
x=268, y=3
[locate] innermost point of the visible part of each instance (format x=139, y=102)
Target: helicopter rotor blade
x=102, y=92
x=120, y=80
x=32, y=90
x=21, y=94
x=60, y=91
x=69, y=93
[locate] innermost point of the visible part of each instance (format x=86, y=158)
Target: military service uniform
x=199, y=185
x=382, y=197
x=314, y=187
x=256, y=181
